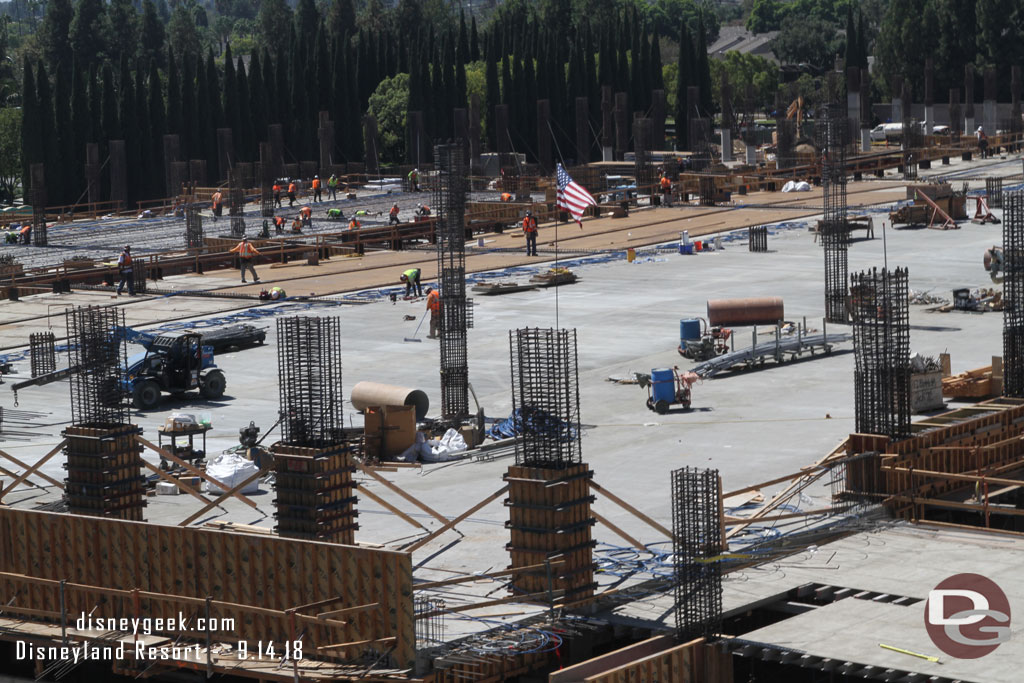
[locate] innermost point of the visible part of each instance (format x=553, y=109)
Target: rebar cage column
x=193, y=226
x=546, y=397
x=456, y=309
x=96, y=352
x=314, y=489
x=1013, y=293
x=833, y=134
x=236, y=203
x=881, y=344
x=309, y=381
x=697, y=539
x=994, y=192
x=757, y=238
x=42, y=353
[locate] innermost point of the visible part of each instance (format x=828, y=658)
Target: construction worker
x=982, y=142
x=422, y=212
x=332, y=186
x=307, y=216
x=217, y=197
x=246, y=253
x=26, y=233
x=393, y=215
x=354, y=224
x=506, y=196
x=411, y=278
x=297, y=224
x=277, y=293
x=292, y=189
x=434, y=306
x=414, y=180
x=124, y=267
x=666, y=189
x=336, y=214
x=530, y=230
x=278, y=224
x=277, y=194
x=316, y=189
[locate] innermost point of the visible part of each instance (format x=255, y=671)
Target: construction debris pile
x=981, y=299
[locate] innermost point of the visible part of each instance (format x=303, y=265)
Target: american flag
x=571, y=195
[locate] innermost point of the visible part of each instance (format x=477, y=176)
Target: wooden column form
x=550, y=519
x=105, y=472
x=315, y=493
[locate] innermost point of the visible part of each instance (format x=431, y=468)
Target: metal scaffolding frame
x=42, y=353
x=309, y=381
x=881, y=345
x=1013, y=293
x=994, y=192
x=96, y=353
x=546, y=397
x=696, y=540
x=833, y=138
x=456, y=309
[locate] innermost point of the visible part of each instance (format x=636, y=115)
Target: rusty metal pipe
x=739, y=312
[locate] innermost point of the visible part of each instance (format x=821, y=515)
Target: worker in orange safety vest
x=277, y=194
x=217, y=207
x=246, y=253
x=307, y=216
x=292, y=189
x=393, y=215
x=434, y=306
x=124, y=267
x=316, y=189
x=530, y=230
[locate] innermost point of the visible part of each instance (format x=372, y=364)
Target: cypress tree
x=862, y=42
x=81, y=126
x=60, y=177
x=323, y=70
x=257, y=103
x=353, y=118
x=282, y=101
x=339, y=90
x=269, y=91
x=189, y=122
x=157, y=127
x=50, y=151
x=683, y=80
x=95, y=107
x=636, y=76
x=111, y=123
x=703, y=69
x=530, y=100
x=200, y=143
x=492, y=96
x=215, y=118
x=129, y=128
x=463, y=48
x=474, y=42
x=31, y=135
x=606, y=66
x=658, y=82
x=507, y=86
x=245, y=148
x=299, y=102
x=143, y=143
x=851, y=38
x=231, y=109
x=174, y=105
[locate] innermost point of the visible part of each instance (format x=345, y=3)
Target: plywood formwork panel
x=250, y=571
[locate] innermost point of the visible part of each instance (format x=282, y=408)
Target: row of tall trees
x=77, y=92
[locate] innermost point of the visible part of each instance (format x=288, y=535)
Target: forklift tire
x=661, y=406
x=146, y=395
x=213, y=385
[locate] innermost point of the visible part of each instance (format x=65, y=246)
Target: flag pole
x=556, y=250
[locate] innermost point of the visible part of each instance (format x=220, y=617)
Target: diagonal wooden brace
x=412, y=499
x=434, y=534
x=32, y=469
x=177, y=482
x=229, y=492
x=192, y=470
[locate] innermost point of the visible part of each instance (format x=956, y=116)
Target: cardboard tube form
x=369, y=394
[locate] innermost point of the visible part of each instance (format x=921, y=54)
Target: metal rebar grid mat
x=42, y=353
x=994, y=192
x=546, y=397
x=236, y=202
x=193, y=226
x=757, y=238
x=309, y=381
x=700, y=143
x=97, y=352
x=697, y=538
x=1013, y=293
x=832, y=139
x=881, y=345
x=449, y=194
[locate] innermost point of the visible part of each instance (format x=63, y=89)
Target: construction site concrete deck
x=751, y=426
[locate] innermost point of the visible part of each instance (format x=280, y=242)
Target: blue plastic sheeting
x=537, y=421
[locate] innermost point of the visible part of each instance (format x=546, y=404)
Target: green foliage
x=89, y=31
x=743, y=70
x=806, y=40
x=665, y=15
x=273, y=17
x=182, y=33
x=388, y=105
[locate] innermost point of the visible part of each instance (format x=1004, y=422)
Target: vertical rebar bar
x=1013, y=293
x=42, y=353
x=193, y=226
x=833, y=137
x=97, y=351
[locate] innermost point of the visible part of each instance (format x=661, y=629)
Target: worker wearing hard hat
x=434, y=306
x=411, y=278
x=530, y=230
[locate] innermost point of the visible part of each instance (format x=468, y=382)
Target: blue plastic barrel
x=689, y=329
x=663, y=385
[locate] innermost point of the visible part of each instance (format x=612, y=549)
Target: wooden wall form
x=965, y=446
x=246, y=570
x=693, y=662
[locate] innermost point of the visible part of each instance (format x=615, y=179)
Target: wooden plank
x=31, y=470
x=412, y=499
x=389, y=507
x=192, y=470
x=228, y=492
x=629, y=508
x=178, y=482
x=437, y=532
x=41, y=475
x=636, y=544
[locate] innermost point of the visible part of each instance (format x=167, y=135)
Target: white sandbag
x=412, y=453
x=231, y=469
x=448, y=448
